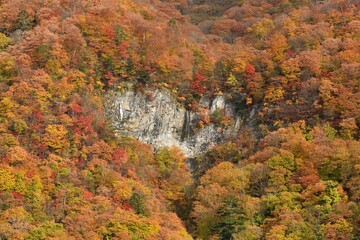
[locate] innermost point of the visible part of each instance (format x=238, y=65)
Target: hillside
x=282, y=163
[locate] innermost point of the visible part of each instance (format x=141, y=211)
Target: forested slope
x=292, y=174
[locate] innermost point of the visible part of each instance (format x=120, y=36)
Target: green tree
x=137, y=201
x=47, y=230
x=232, y=217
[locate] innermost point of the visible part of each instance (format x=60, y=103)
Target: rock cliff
x=158, y=119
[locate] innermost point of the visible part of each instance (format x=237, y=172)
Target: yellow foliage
x=8, y=140
x=239, y=64
x=78, y=79
x=274, y=94
x=291, y=68
x=63, y=88
x=349, y=56
x=7, y=178
x=123, y=190
x=6, y=107
x=20, y=186
x=164, y=67
x=7, y=67
x=54, y=67
x=262, y=28
x=4, y=41
x=290, y=27
x=55, y=137
x=13, y=222
x=124, y=223
x=278, y=45
x=17, y=155
x=231, y=81
x=128, y=3
x=327, y=90
x=276, y=232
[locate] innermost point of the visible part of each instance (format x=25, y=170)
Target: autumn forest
x=292, y=173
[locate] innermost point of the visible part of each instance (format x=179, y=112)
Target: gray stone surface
x=157, y=119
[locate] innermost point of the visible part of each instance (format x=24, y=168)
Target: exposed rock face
x=159, y=120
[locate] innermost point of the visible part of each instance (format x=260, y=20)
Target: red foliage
x=38, y=115
x=123, y=48
x=127, y=207
x=17, y=195
x=87, y=195
x=53, y=175
x=83, y=124
x=197, y=85
x=326, y=74
x=119, y=157
x=110, y=78
x=39, y=148
x=307, y=176
x=110, y=33
x=250, y=70
x=75, y=107
x=290, y=53
x=30, y=173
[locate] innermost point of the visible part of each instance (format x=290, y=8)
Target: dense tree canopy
x=294, y=174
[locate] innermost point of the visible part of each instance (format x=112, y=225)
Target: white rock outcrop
x=159, y=120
